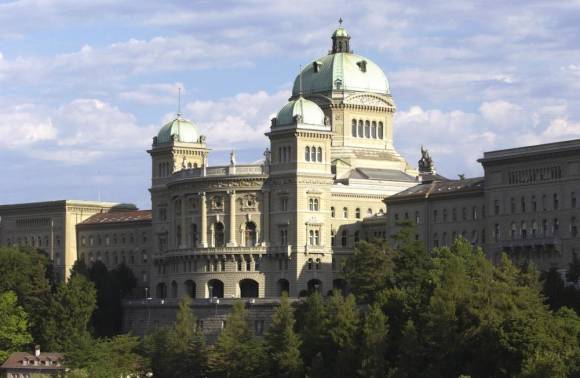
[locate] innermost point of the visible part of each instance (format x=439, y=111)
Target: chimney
x=37, y=350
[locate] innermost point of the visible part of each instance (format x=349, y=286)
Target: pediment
x=368, y=99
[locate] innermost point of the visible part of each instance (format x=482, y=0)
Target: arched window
x=317, y=264
x=161, y=290
x=332, y=235
x=190, y=288
x=309, y=264
x=314, y=285
x=178, y=235
x=354, y=127
x=343, y=239
x=369, y=212
x=524, y=230
x=367, y=129
x=513, y=230
x=307, y=154
x=215, y=288
x=283, y=286
x=332, y=212
x=374, y=130
x=313, y=153
x=193, y=235
x=357, y=213
x=345, y=212
x=249, y=288
x=534, y=228
x=356, y=236
x=380, y=130
x=250, y=234
x=361, y=131
x=319, y=154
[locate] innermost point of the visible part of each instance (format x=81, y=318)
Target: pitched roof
x=25, y=360
x=119, y=217
x=435, y=188
x=380, y=174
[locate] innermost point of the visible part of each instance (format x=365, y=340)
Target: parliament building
x=330, y=178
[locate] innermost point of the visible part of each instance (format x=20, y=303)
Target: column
x=183, y=243
x=203, y=223
x=266, y=218
x=232, y=227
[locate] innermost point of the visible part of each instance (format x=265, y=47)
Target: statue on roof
x=233, y=157
x=426, y=164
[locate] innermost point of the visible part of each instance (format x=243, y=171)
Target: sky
x=86, y=84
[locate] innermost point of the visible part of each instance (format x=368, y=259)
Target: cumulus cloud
x=21, y=127
x=238, y=121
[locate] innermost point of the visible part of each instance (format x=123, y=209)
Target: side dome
x=180, y=130
x=307, y=111
x=342, y=71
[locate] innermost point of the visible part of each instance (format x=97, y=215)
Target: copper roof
x=24, y=360
x=119, y=217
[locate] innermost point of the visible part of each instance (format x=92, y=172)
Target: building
x=119, y=237
x=525, y=205
x=51, y=226
x=37, y=364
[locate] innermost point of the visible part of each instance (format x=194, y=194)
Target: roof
x=120, y=217
x=24, y=360
x=380, y=174
x=184, y=130
x=308, y=112
x=340, y=32
x=63, y=203
x=436, y=188
x=341, y=71
x=531, y=151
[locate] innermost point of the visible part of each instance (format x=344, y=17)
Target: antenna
x=300, y=81
x=179, y=101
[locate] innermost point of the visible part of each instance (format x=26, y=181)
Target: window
x=556, y=201
x=314, y=237
x=332, y=235
x=435, y=216
x=332, y=212
x=380, y=130
x=454, y=214
x=544, y=206
x=545, y=227
x=354, y=127
x=573, y=200
x=573, y=227
x=313, y=204
x=534, y=229
x=343, y=238
x=309, y=264
x=496, y=207
x=283, y=204
x=360, y=129
x=317, y=264
x=369, y=212
x=345, y=212
x=319, y=154
x=417, y=218
x=357, y=213
x=435, y=240
x=307, y=154
x=284, y=236
x=474, y=213
x=144, y=257
x=523, y=204
x=513, y=205
x=444, y=215
x=513, y=231
x=374, y=130
x=464, y=213
x=313, y=153
x=534, y=204
x=524, y=231
x=496, y=232
x=367, y=129
x=556, y=226
x=356, y=236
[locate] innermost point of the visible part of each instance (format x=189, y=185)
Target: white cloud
x=501, y=113
x=154, y=94
x=561, y=128
x=238, y=121
x=21, y=127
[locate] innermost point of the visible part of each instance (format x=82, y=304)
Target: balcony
x=237, y=170
x=212, y=251
x=529, y=242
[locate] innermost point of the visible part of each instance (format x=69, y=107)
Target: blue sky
x=85, y=85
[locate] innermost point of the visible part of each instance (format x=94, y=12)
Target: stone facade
x=525, y=205
x=51, y=226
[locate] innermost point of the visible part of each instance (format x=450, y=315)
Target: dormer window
x=316, y=66
x=362, y=65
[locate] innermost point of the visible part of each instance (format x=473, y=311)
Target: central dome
x=342, y=71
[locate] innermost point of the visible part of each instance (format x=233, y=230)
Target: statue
x=426, y=164
x=183, y=163
x=202, y=139
x=233, y=158
x=326, y=121
x=267, y=157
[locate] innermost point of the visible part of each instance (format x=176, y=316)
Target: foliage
x=373, y=343
x=313, y=330
x=343, y=322
x=237, y=353
x=282, y=343
x=14, y=332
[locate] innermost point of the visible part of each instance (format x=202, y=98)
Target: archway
x=173, y=289
x=219, y=234
x=250, y=234
x=314, y=285
x=215, y=288
x=283, y=286
x=249, y=288
x=190, y=288
x=161, y=290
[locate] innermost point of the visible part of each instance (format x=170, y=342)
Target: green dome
x=306, y=109
x=184, y=130
x=342, y=71
x=340, y=32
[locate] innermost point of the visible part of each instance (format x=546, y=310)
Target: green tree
x=343, y=321
x=368, y=270
x=14, y=332
x=70, y=311
x=373, y=346
x=237, y=353
x=283, y=344
x=573, y=273
x=313, y=330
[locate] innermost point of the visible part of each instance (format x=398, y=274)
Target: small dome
x=184, y=130
x=306, y=109
x=340, y=32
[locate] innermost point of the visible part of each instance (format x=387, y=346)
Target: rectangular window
x=283, y=204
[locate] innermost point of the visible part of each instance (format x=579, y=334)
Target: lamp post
x=210, y=287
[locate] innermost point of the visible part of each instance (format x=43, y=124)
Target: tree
x=343, y=320
x=573, y=273
x=374, y=339
x=14, y=332
x=237, y=353
x=313, y=329
x=369, y=269
x=70, y=311
x=282, y=343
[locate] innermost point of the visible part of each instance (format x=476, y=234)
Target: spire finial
x=300, y=81
x=340, y=21
x=179, y=101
